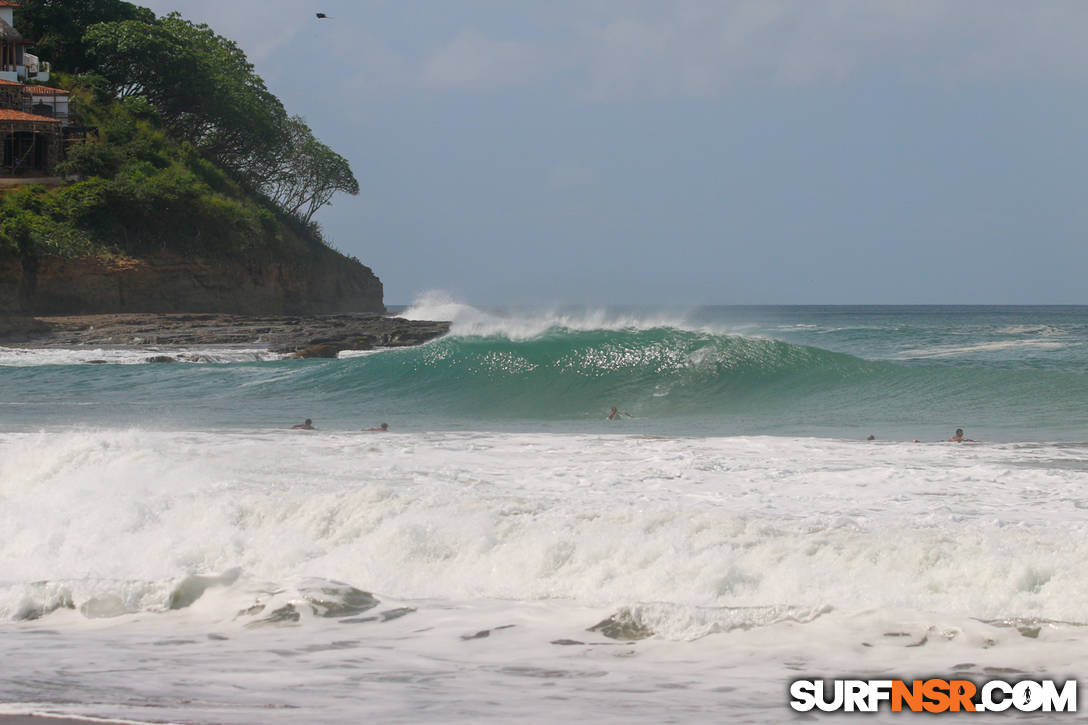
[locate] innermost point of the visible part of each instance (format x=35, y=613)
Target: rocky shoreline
x=293, y=335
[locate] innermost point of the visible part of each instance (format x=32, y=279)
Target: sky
x=695, y=151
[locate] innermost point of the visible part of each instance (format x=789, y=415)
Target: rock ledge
x=296, y=335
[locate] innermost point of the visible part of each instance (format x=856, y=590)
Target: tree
x=200, y=83
x=148, y=60
x=307, y=174
x=57, y=27
x=238, y=121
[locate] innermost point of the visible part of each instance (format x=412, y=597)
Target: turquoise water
x=1002, y=373
x=173, y=552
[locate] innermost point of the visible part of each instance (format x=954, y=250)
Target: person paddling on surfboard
x=383, y=428
x=308, y=425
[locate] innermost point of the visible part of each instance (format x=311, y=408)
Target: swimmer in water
x=308, y=425
x=616, y=413
x=383, y=428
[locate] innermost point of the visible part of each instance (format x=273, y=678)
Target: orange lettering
x=936, y=691
x=961, y=693
x=911, y=695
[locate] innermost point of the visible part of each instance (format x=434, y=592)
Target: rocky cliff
x=324, y=282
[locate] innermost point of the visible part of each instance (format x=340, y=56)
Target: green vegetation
x=195, y=155
x=57, y=27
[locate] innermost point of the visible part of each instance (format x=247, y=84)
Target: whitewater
x=173, y=553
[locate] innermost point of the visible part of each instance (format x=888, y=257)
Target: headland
x=129, y=189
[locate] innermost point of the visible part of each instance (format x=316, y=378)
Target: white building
x=15, y=63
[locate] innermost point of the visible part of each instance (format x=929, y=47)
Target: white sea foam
x=1044, y=330
x=939, y=351
x=603, y=520
x=527, y=324
x=749, y=559
x=10, y=356
x=346, y=354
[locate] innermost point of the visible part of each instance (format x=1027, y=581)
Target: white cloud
x=368, y=63
x=703, y=47
x=696, y=48
x=471, y=60
x=260, y=27
x=1030, y=38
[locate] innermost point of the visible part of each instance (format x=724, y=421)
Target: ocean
x=173, y=552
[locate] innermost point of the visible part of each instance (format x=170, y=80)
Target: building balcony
x=34, y=71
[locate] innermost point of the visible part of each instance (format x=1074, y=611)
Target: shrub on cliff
x=30, y=230
x=142, y=210
x=142, y=192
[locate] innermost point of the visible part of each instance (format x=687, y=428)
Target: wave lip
x=522, y=325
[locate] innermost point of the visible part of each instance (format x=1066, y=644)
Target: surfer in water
x=382, y=428
x=957, y=437
x=307, y=425
x=615, y=413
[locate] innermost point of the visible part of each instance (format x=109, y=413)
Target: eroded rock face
x=323, y=283
x=21, y=325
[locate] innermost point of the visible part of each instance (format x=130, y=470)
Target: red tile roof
x=8, y=115
x=36, y=90
x=8, y=4
x=46, y=91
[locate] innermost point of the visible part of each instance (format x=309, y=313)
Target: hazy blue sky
x=622, y=151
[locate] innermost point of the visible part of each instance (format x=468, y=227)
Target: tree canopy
x=204, y=91
x=56, y=26
x=307, y=175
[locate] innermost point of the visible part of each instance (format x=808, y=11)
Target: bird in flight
x=321, y=16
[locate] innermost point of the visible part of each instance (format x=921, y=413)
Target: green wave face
x=670, y=380
x=571, y=374
x=702, y=382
